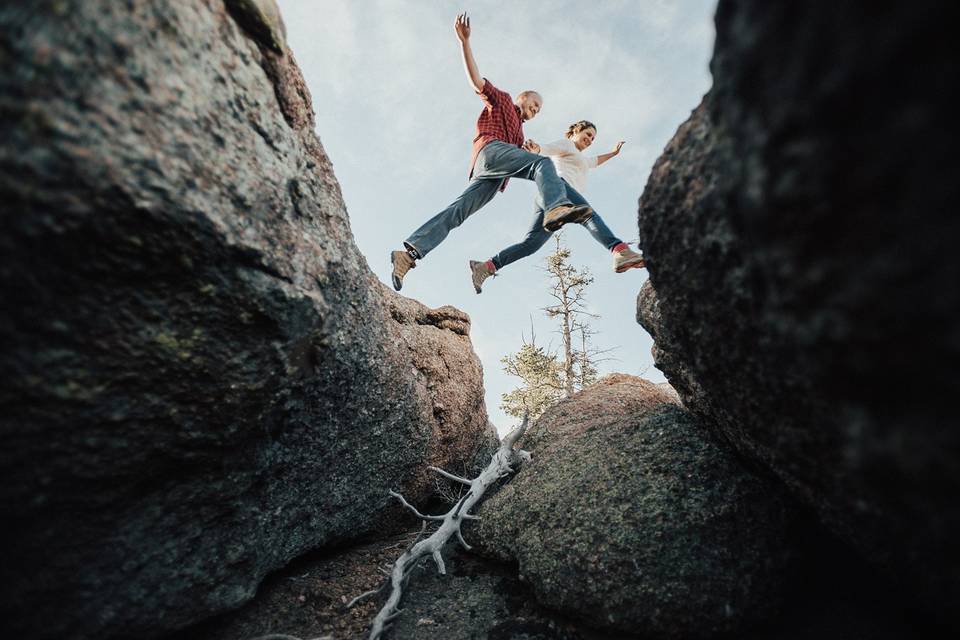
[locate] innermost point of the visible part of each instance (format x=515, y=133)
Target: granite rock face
x=799, y=233
x=201, y=378
x=630, y=517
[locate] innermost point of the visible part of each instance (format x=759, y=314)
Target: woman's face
x=583, y=139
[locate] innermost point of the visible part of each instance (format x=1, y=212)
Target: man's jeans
x=537, y=235
x=495, y=162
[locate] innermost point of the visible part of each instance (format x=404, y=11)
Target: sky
x=397, y=117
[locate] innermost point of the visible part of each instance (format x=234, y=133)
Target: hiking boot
x=564, y=214
x=402, y=262
x=626, y=259
x=479, y=271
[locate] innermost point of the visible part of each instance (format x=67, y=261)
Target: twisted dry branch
x=504, y=462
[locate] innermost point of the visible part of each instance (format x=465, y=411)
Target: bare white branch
x=502, y=463
x=463, y=501
x=413, y=508
x=447, y=474
x=364, y=596
x=441, y=568
x=462, y=541
x=512, y=437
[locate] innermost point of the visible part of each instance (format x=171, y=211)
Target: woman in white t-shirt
x=572, y=166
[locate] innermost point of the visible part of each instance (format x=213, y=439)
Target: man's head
x=529, y=103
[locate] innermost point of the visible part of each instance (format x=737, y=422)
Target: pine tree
x=546, y=376
x=540, y=373
x=568, y=287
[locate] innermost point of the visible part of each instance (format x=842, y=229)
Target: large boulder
x=799, y=231
x=201, y=378
x=631, y=517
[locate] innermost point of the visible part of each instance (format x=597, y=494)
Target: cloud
x=397, y=117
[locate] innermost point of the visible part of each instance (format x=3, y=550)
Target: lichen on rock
x=802, y=289
x=201, y=380
x=633, y=518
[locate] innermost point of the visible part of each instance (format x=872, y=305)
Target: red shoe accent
x=490, y=266
x=620, y=247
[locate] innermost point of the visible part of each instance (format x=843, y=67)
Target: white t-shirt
x=571, y=164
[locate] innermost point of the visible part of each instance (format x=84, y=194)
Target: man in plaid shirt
x=497, y=156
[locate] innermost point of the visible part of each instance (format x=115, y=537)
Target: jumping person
x=572, y=167
x=497, y=156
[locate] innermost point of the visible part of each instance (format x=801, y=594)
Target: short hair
x=524, y=94
x=579, y=126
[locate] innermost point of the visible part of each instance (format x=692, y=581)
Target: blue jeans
x=537, y=235
x=495, y=162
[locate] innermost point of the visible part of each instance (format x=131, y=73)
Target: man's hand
x=462, y=27
x=616, y=149
x=533, y=147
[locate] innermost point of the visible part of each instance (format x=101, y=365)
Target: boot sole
x=397, y=280
x=575, y=216
x=470, y=266
x=638, y=264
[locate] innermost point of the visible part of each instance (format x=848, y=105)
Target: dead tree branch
x=505, y=461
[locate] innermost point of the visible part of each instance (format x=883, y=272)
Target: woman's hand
x=531, y=146
x=603, y=157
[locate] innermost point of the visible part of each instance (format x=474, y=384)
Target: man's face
x=529, y=104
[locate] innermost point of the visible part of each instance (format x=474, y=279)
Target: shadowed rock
x=799, y=233
x=201, y=379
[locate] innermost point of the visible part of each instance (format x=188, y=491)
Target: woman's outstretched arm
x=603, y=157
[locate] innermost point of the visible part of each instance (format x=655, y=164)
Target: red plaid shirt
x=499, y=120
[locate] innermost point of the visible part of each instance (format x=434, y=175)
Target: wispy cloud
x=396, y=115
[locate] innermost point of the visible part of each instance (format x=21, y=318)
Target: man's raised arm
x=462, y=27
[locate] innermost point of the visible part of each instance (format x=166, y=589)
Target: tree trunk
x=567, y=352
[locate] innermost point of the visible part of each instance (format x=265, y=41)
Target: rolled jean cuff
x=411, y=248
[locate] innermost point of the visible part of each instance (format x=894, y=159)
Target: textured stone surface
x=632, y=518
x=799, y=232
x=201, y=379
x=441, y=358
x=476, y=600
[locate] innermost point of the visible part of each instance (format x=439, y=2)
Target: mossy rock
x=633, y=518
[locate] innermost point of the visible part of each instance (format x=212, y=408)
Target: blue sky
x=396, y=116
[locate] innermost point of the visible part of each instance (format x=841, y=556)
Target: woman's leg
x=535, y=238
x=601, y=232
x=595, y=224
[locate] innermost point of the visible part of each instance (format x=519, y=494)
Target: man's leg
x=502, y=160
x=478, y=193
x=430, y=234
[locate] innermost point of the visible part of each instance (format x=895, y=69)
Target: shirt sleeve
x=562, y=147
x=592, y=162
x=491, y=96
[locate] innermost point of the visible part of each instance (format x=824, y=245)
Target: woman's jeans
x=537, y=235
x=496, y=162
